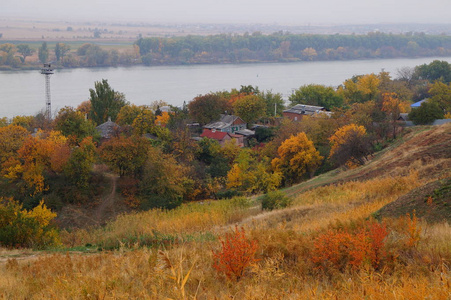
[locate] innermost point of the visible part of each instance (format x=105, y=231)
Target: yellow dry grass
x=183, y=270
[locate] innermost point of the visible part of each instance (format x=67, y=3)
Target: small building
x=297, y=112
x=108, y=129
x=227, y=123
x=214, y=134
x=222, y=137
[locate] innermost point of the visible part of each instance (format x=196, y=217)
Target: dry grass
x=184, y=269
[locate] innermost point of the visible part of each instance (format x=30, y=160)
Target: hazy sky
x=290, y=12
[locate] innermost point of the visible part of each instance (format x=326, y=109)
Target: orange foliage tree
x=46, y=152
x=12, y=138
x=296, y=157
x=237, y=253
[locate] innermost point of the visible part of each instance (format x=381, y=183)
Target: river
x=23, y=92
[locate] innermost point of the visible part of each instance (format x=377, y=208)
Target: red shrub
x=236, y=254
x=340, y=249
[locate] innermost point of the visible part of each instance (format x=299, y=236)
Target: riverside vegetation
x=224, y=48
x=168, y=218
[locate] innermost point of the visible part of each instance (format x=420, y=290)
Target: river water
x=23, y=92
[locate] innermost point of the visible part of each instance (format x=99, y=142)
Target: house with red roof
x=222, y=137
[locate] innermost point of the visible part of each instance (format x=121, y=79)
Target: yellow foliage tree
x=392, y=106
x=296, y=157
x=250, y=175
x=26, y=228
x=349, y=142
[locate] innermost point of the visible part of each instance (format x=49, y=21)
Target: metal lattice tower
x=47, y=71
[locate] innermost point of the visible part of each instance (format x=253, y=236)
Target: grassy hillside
x=325, y=246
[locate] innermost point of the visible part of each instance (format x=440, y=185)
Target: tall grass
x=185, y=222
x=284, y=269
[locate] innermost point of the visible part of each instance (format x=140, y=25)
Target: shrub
x=236, y=254
x=22, y=228
x=341, y=249
x=275, y=200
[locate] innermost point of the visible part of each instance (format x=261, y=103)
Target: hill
x=325, y=246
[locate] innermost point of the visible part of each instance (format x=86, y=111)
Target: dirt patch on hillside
x=431, y=202
x=428, y=152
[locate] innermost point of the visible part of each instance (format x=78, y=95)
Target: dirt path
x=106, y=207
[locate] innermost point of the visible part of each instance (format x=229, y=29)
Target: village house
x=297, y=112
x=227, y=123
x=222, y=137
x=108, y=129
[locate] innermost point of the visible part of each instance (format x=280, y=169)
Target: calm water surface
x=23, y=92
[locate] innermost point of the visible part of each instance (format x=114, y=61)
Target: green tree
x=250, y=108
x=441, y=94
x=428, y=112
x=43, y=53
x=436, y=70
x=25, y=51
x=274, y=103
x=79, y=166
x=73, y=124
x=105, y=102
x=318, y=95
x=60, y=51
x=163, y=181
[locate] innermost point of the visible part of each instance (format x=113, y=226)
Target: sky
x=283, y=12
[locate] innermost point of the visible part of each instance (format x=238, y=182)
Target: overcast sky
x=289, y=12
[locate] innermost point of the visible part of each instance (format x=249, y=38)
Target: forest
x=225, y=48
x=298, y=212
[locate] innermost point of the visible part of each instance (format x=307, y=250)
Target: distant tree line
x=287, y=47
x=230, y=48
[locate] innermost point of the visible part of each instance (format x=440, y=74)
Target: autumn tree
x=297, y=156
x=350, y=145
x=74, y=125
x=128, y=114
x=24, y=121
x=163, y=181
x=12, y=138
x=392, y=106
x=25, y=51
x=251, y=175
x=318, y=95
x=32, y=228
x=144, y=122
x=360, y=88
x=250, y=108
x=125, y=155
x=207, y=108
x=44, y=153
x=80, y=163
x=105, y=102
